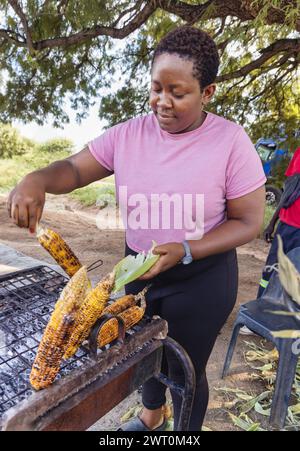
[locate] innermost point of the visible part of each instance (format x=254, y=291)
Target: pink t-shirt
x=172, y=187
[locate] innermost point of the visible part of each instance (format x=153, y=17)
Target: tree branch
x=99, y=30
x=18, y=10
x=127, y=11
x=187, y=12
x=12, y=36
x=282, y=45
x=242, y=9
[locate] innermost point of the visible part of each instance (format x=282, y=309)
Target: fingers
x=22, y=216
x=154, y=271
x=8, y=206
x=25, y=206
x=15, y=213
x=34, y=215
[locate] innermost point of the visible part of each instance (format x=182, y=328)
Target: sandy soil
x=77, y=225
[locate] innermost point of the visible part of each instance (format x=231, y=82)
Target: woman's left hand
x=170, y=255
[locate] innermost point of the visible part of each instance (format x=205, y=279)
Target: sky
x=80, y=134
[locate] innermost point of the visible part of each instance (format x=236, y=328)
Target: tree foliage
x=56, y=145
x=54, y=50
x=11, y=142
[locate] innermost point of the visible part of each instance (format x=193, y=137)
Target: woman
x=201, y=166
x=288, y=214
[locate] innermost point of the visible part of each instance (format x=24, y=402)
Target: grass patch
x=99, y=194
x=12, y=170
x=269, y=211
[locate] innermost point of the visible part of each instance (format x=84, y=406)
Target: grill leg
x=187, y=392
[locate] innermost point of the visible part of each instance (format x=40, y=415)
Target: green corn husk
x=132, y=267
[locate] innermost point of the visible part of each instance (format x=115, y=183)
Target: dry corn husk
x=288, y=274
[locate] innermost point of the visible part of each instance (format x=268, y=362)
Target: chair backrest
x=274, y=292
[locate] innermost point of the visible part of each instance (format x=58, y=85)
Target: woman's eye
x=178, y=96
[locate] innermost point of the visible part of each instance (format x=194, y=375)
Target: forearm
x=59, y=177
x=230, y=234
x=275, y=216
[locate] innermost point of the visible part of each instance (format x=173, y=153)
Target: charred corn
x=120, y=304
x=90, y=310
x=58, y=331
x=59, y=250
x=109, y=331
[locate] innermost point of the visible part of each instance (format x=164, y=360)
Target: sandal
x=136, y=424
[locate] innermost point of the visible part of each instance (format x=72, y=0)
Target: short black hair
x=192, y=44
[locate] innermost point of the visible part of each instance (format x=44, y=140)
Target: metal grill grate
x=27, y=299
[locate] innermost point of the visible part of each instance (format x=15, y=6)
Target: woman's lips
x=165, y=116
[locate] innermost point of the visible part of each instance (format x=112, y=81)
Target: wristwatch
x=188, y=256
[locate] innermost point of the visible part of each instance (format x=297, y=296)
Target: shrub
x=11, y=142
x=56, y=145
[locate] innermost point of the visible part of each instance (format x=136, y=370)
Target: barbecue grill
x=89, y=384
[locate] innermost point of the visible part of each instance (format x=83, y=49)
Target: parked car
x=271, y=154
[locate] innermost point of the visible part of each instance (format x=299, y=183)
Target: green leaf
x=259, y=409
x=132, y=267
x=246, y=407
x=283, y=312
x=286, y=334
x=288, y=274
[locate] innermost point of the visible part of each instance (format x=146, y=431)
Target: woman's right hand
x=268, y=233
x=26, y=202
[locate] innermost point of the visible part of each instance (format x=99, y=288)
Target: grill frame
x=77, y=400
x=21, y=292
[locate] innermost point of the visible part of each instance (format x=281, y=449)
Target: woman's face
x=175, y=97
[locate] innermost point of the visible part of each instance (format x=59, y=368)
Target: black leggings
x=196, y=300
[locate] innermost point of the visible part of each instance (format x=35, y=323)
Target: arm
x=26, y=201
x=244, y=220
x=268, y=232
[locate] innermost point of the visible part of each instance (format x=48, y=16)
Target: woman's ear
x=208, y=93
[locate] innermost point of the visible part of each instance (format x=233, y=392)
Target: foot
x=136, y=424
x=152, y=421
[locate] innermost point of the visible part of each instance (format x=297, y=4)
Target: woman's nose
x=164, y=101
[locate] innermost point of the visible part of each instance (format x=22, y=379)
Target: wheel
x=273, y=195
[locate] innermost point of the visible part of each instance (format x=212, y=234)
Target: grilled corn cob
x=109, y=331
x=90, y=310
x=120, y=304
x=58, y=331
x=59, y=250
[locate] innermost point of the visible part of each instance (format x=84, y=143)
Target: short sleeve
x=244, y=172
x=294, y=166
x=103, y=148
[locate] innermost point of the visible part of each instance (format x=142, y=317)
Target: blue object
x=270, y=154
x=188, y=255
x=256, y=316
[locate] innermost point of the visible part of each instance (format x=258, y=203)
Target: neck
x=196, y=124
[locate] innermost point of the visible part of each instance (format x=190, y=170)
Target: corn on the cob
x=121, y=304
x=109, y=331
x=90, y=310
x=58, y=331
x=59, y=250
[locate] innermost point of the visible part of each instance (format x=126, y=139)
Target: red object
x=291, y=215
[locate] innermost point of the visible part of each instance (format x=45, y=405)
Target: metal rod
x=187, y=392
x=96, y=264
x=96, y=330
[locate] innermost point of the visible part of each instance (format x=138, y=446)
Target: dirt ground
x=78, y=227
